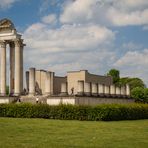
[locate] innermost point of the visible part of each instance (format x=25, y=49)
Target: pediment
x=6, y=23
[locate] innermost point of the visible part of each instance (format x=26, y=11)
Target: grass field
x=32, y=133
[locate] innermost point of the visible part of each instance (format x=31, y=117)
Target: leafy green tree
x=146, y=95
x=115, y=74
x=133, y=82
x=138, y=93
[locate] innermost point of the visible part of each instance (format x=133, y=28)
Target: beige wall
x=40, y=79
x=57, y=84
x=75, y=76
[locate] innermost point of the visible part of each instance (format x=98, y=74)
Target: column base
x=80, y=93
x=3, y=94
x=101, y=94
x=95, y=94
x=87, y=94
x=16, y=94
x=63, y=94
x=31, y=94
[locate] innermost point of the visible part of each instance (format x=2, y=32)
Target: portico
x=9, y=36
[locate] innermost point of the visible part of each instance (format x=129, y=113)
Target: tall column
x=94, y=89
x=127, y=90
x=64, y=89
x=52, y=83
x=101, y=89
x=32, y=81
x=87, y=88
x=123, y=91
x=17, y=86
x=12, y=67
x=80, y=88
x=118, y=91
x=48, y=83
x=106, y=90
x=113, y=90
x=27, y=81
x=22, y=68
x=3, y=69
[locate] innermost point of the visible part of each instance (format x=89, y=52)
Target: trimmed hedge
x=108, y=112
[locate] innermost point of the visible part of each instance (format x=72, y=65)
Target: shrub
x=69, y=112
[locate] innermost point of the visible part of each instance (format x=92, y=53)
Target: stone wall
x=87, y=100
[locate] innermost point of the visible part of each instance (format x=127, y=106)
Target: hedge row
x=70, y=112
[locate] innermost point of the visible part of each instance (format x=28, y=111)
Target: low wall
x=7, y=99
x=87, y=100
x=61, y=100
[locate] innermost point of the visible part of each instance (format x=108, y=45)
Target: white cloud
x=70, y=47
x=50, y=19
x=67, y=37
x=134, y=63
x=107, y=12
x=7, y=3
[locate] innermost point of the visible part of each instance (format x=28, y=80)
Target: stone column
x=94, y=89
x=12, y=67
x=118, y=91
x=27, y=81
x=80, y=88
x=123, y=91
x=52, y=83
x=106, y=90
x=127, y=90
x=32, y=81
x=22, y=68
x=3, y=69
x=87, y=88
x=17, y=84
x=64, y=89
x=48, y=83
x=112, y=90
x=101, y=89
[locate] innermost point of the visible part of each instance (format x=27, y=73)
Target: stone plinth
x=64, y=89
x=94, y=89
x=100, y=89
x=127, y=90
x=87, y=89
x=32, y=81
x=113, y=90
x=48, y=83
x=118, y=91
x=80, y=88
x=3, y=69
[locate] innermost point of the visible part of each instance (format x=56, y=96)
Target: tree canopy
x=115, y=75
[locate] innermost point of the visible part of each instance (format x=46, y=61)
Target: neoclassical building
x=9, y=36
x=44, y=82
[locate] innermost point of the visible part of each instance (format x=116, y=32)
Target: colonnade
x=94, y=89
x=16, y=67
x=31, y=82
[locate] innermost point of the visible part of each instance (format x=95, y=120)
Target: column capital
x=2, y=44
x=18, y=43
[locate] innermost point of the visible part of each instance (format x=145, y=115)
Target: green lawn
x=30, y=133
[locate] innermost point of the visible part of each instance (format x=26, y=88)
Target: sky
x=97, y=35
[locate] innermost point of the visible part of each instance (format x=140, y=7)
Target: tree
x=137, y=93
x=115, y=74
x=146, y=95
x=133, y=82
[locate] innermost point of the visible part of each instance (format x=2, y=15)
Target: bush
x=70, y=112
